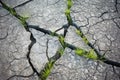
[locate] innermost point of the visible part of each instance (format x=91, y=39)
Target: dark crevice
x=88, y=43
x=47, y=50
x=106, y=76
x=23, y=4
x=43, y=74
x=33, y=41
x=47, y=69
x=116, y=23
x=116, y=3
x=113, y=63
x=103, y=14
x=105, y=60
x=24, y=23
x=65, y=27
x=43, y=30
x=114, y=70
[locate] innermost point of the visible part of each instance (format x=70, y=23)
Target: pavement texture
x=29, y=50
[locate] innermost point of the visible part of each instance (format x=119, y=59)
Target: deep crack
x=33, y=40
x=44, y=73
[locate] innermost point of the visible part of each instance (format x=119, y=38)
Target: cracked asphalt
x=24, y=53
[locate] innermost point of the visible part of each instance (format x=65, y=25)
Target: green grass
x=46, y=71
x=91, y=54
x=14, y=13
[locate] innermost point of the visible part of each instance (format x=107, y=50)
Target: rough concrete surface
x=98, y=19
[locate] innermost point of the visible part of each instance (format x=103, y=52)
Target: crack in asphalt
x=43, y=74
x=23, y=4
x=107, y=61
x=116, y=3
x=33, y=40
x=47, y=50
x=116, y=23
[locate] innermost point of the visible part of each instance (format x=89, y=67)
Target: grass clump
x=91, y=54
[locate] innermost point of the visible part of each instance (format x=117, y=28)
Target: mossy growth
x=48, y=67
x=82, y=36
x=69, y=4
x=80, y=52
x=61, y=39
x=46, y=71
x=14, y=13
x=85, y=40
x=91, y=54
x=23, y=20
x=67, y=11
x=78, y=32
x=11, y=10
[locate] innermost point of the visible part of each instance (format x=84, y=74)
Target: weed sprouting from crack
x=44, y=73
x=24, y=23
x=14, y=13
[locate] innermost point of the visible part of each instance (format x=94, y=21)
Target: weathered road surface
x=100, y=21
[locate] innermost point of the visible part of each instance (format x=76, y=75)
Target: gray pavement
x=98, y=19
